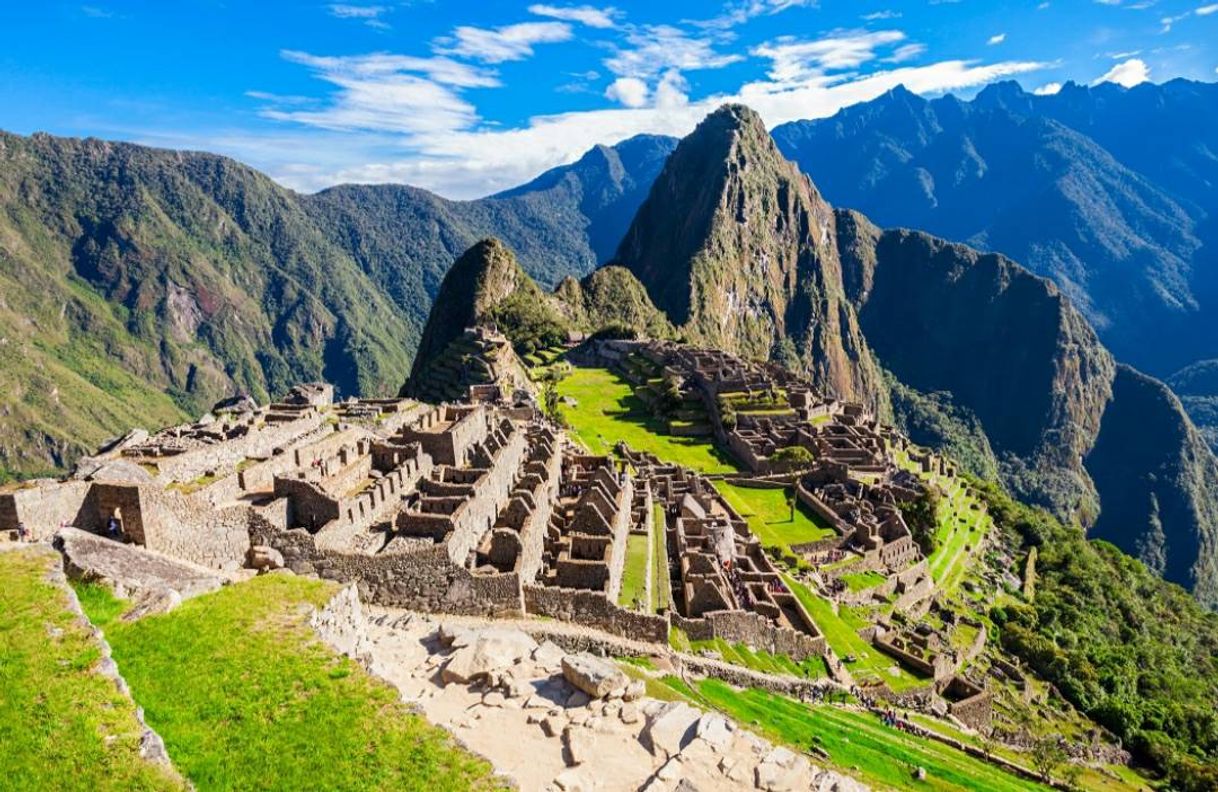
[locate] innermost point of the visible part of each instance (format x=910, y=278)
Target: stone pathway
x=512, y=699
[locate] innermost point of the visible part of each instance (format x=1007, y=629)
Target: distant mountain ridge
x=1111, y=192
x=140, y=285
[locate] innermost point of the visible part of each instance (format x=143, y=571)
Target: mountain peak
x=735, y=245
x=484, y=275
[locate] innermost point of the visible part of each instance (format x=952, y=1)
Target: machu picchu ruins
x=663, y=471
x=488, y=508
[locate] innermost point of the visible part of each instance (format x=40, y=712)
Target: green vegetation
x=770, y=516
x=1136, y=654
x=247, y=698
x=841, y=632
x=606, y=411
x=759, y=660
x=529, y=321
x=861, y=581
x=634, y=592
x=661, y=582
x=62, y=724
x=860, y=742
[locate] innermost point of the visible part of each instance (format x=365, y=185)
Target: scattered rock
x=580, y=744
x=578, y=699
x=670, y=729
x=629, y=714
x=489, y=651
x=593, y=675
x=716, y=730
x=494, y=699
x=570, y=780
x=634, y=691
x=152, y=601
x=549, y=656
x=264, y=558
x=553, y=725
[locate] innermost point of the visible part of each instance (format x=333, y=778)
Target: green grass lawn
x=62, y=725
x=759, y=660
x=247, y=698
x=661, y=582
x=607, y=411
x=769, y=516
x=861, y=581
x=885, y=757
x=1091, y=779
x=959, y=534
x=841, y=632
x=634, y=573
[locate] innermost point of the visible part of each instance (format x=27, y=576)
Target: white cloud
x=628, y=91
x=885, y=14
x=654, y=49
x=445, y=71
x=1127, y=73
x=1206, y=10
x=794, y=60
x=385, y=93
x=737, y=12
x=369, y=15
x=1048, y=89
x=508, y=43
x=996, y=39
x=905, y=52
x=471, y=161
x=585, y=15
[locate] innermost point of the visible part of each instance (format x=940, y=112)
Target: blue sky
x=467, y=98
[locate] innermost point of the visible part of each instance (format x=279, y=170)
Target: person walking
x=22, y=532
x=112, y=527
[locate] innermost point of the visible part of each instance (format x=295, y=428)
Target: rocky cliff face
x=1157, y=482
x=737, y=248
x=1111, y=192
x=1004, y=343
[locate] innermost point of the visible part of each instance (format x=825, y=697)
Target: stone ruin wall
x=421, y=578
x=179, y=526
x=491, y=494
x=194, y=463
x=753, y=630
x=594, y=609
x=45, y=506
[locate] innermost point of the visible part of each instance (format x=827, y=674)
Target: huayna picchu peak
x=737, y=247
x=832, y=458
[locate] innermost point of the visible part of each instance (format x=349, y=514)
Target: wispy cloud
x=651, y=50
x=1127, y=73
x=737, y=12
x=585, y=15
x=793, y=60
x=508, y=43
x=96, y=12
x=370, y=15
x=996, y=39
x=1048, y=89
x=875, y=16
x=387, y=93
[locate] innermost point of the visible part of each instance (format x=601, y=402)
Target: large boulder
x=487, y=652
x=594, y=675
x=670, y=728
x=264, y=558
x=129, y=569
